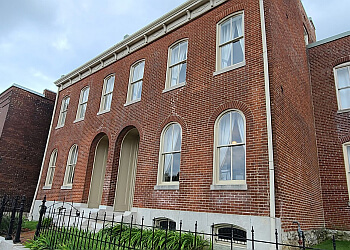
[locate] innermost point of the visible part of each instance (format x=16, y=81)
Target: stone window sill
x=166, y=187
x=229, y=187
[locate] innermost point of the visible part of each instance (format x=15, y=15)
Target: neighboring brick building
x=206, y=114
x=25, y=118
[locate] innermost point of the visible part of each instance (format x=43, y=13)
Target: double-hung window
x=51, y=169
x=170, y=154
x=83, y=99
x=177, y=64
x=70, y=168
x=107, y=91
x=230, y=44
x=230, y=148
x=342, y=79
x=346, y=148
x=135, y=82
x=63, y=112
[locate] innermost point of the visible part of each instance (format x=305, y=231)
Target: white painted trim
x=328, y=40
x=166, y=187
x=28, y=90
x=43, y=161
x=66, y=187
x=347, y=167
x=229, y=68
x=343, y=65
x=268, y=122
x=170, y=21
x=132, y=102
x=103, y=112
x=229, y=187
x=131, y=75
x=174, y=87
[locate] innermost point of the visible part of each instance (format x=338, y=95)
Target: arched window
x=107, y=91
x=71, y=162
x=135, y=82
x=230, y=42
x=51, y=168
x=346, y=148
x=170, y=155
x=228, y=233
x=230, y=148
x=83, y=99
x=63, y=112
x=177, y=65
x=342, y=80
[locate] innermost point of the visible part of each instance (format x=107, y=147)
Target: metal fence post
x=19, y=225
x=42, y=212
x=12, y=222
x=334, y=245
x=2, y=207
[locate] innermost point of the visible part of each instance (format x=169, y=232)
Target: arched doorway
x=124, y=193
x=98, y=173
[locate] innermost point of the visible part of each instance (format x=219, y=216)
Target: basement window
x=228, y=233
x=165, y=224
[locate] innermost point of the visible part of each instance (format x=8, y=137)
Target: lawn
x=328, y=244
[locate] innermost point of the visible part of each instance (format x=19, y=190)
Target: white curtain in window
x=225, y=33
x=176, y=137
x=168, y=139
x=237, y=119
x=224, y=130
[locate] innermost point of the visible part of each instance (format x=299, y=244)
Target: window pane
x=107, y=103
x=224, y=130
x=175, y=54
x=343, y=77
x=182, y=76
x=344, y=95
x=238, y=162
x=109, y=85
x=225, y=31
x=65, y=104
x=238, y=51
x=226, y=55
x=237, y=30
x=174, y=75
x=167, y=167
x=183, y=51
x=168, y=139
x=63, y=118
x=85, y=95
x=176, y=137
x=176, y=166
x=138, y=71
x=348, y=148
x=225, y=163
x=237, y=128
x=136, y=90
x=82, y=110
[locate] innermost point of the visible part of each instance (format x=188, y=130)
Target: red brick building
x=205, y=114
x=25, y=118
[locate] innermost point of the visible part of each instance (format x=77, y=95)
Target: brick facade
x=25, y=120
x=196, y=106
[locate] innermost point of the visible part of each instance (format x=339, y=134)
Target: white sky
x=40, y=40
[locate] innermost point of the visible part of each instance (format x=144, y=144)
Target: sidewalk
x=8, y=245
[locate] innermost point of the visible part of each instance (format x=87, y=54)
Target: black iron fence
x=11, y=217
x=61, y=226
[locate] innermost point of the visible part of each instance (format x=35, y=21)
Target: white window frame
x=347, y=65
x=228, y=184
x=70, y=167
x=167, y=184
x=105, y=94
x=131, y=82
x=51, y=169
x=82, y=103
x=347, y=165
x=220, y=70
x=170, y=66
x=63, y=112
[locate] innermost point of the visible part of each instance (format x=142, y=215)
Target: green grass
x=328, y=245
x=30, y=225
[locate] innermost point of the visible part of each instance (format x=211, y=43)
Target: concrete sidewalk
x=8, y=245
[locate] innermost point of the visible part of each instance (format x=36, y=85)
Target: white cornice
x=168, y=22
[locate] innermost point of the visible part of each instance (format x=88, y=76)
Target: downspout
x=45, y=152
x=269, y=123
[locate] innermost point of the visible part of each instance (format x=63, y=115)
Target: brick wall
x=23, y=140
x=332, y=130
x=298, y=188
x=195, y=106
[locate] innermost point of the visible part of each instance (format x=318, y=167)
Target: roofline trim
x=158, y=28
x=329, y=39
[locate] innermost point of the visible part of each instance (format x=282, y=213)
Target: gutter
x=45, y=152
x=269, y=123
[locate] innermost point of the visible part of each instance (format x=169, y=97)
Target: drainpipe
x=45, y=152
x=269, y=123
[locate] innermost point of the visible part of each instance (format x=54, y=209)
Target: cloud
x=61, y=44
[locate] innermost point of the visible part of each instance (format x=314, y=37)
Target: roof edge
x=327, y=40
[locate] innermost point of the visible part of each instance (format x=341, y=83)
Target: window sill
x=229, y=187
x=131, y=102
x=66, y=187
x=232, y=67
x=59, y=127
x=174, y=87
x=79, y=120
x=343, y=111
x=103, y=111
x=46, y=187
x=166, y=187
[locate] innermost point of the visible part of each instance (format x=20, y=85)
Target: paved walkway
x=8, y=245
